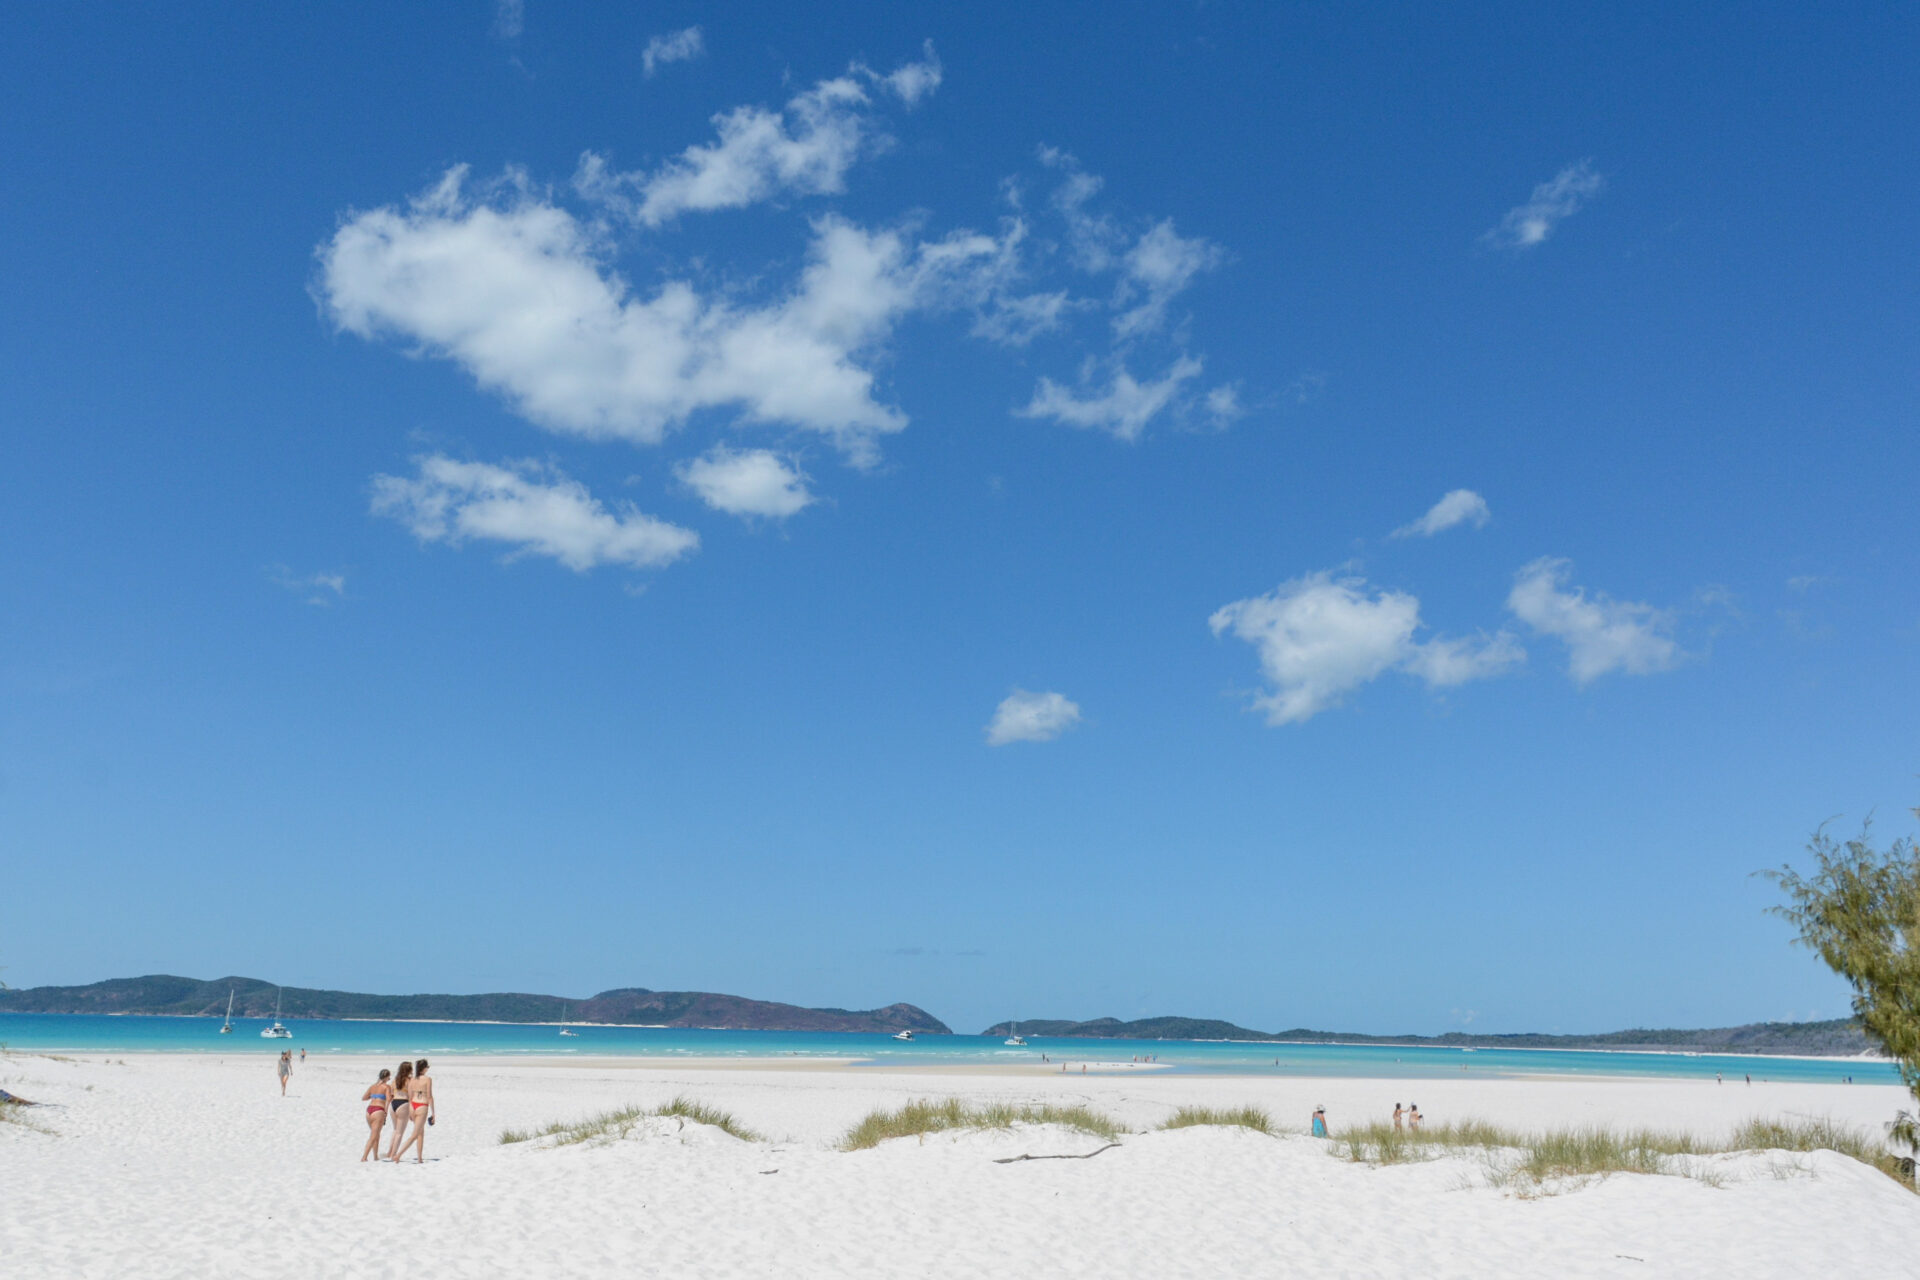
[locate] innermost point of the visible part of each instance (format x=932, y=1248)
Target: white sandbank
x=194, y=1166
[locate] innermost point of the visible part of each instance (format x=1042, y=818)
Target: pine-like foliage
x=1860, y=911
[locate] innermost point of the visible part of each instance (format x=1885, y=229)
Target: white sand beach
x=195, y=1166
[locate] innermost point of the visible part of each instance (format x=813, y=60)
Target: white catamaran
x=276, y=1031
x=1016, y=1039
x=226, y=1028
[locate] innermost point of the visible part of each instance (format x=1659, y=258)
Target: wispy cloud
x=1122, y=407
x=1031, y=717
x=805, y=148
x=746, y=482
x=534, y=509
x=676, y=46
x=320, y=589
x=1320, y=637
x=509, y=19
x=1601, y=634
x=1551, y=203
x=1159, y=266
x=1461, y=506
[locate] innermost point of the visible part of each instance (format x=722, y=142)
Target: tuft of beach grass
x=1538, y=1157
x=924, y=1115
x=619, y=1122
x=1248, y=1117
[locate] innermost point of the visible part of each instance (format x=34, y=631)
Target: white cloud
x=534, y=509
x=1123, y=407
x=746, y=482
x=805, y=148
x=1031, y=717
x=1460, y=506
x=1531, y=223
x=1223, y=404
x=1159, y=266
x=677, y=46
x=320, y=589
x=1320, y=637
x=512, y=288
x=912, y=81
x=1601, y=634
x=509, y=19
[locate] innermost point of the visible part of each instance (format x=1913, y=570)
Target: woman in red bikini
x=420, y=1103
x=376, y=1099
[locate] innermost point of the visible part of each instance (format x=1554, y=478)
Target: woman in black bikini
x=376, y=1099
x=420, y=1102
x=400, y=1108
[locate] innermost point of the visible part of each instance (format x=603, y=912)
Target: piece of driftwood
x=1087, y=1156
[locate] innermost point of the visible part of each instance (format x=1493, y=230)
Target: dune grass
x=1822, y=1134
x=1249, y=1117
x=924, y=1115
x=1596, y=1150
x=619, y=1122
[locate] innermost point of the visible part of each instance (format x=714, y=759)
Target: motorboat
x=226, y=1028
x=903, y=1035
x=276, y=1031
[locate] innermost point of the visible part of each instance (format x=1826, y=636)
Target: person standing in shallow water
x=420, y=1103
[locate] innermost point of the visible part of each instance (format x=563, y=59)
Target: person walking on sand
x=285, y=1068
x=397, y=1103
x=420, y=1103
x=1414, y=1117
x=1319, y=1122
x=1399, y=1118
x=376, y=1099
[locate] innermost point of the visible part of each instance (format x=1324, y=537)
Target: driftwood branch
x=1088, y=1156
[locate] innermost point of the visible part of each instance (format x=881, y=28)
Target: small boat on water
x=1017, y=1040
x=226, y=1028
x=276, y=1031
x=903, y=1035
x=565, y=1030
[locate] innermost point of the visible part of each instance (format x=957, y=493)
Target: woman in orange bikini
x=376, y=1099
x=420, y=1103
x=401, y=1111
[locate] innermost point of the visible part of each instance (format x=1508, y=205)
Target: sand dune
x=172, y=1165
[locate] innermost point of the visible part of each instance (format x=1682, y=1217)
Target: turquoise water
x=85, y=1033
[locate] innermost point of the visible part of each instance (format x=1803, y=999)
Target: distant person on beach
x=1399, y=1117
x=1319, y=1122
x=1414, y=1117
x=376, y=1098
x=420, y=1103
x=1749, y=1082
x=402, y=1112
x=303, y=1053
x=285, y=1068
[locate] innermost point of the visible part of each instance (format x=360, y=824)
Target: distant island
x=1838, y=1038
x=630, y=1006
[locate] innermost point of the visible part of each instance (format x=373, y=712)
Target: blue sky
x=1374, y=520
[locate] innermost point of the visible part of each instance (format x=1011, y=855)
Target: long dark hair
x=403, y=1075
x=420, y=1067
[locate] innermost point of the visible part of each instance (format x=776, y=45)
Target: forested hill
x=254, y=998
x=1838, y=1038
